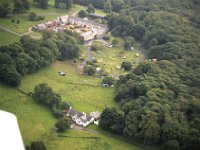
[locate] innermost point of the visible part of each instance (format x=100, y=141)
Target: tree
x=68, y=4
x=138, y=32
x=20, y=6
x=108, y=80
x=42, y=3
x=89, y=70
x=90, y=8
x=128, y=43
x=32, y=16
x=36, y=145
x=63, y=124
x=9, y=75
x=171, y=145
x=107, y=118
x=45, y=95
x=82, y=13
x=112, y=120
x=126, y=65
x=115, y=42
x=4, y=10
x=95, y=47
x=117, y=5
x=108, y=6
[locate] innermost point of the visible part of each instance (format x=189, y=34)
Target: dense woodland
x=30, y=54
x=160, y=101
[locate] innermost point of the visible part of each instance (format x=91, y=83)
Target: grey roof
x=72, y=112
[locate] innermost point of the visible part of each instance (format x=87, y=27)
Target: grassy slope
x=7, y=38
x=36, y=122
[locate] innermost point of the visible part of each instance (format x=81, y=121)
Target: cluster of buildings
x=88, y=29
x=83, y=119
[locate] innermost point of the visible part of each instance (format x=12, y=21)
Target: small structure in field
x=110, y=46
x=154, y=60
x=61, y=73
x=132, y=48
x=105, y=85
x=137, y=55
x=98, y=70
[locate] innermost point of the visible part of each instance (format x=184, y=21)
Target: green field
x=7, y=38
x=36, y=121
x=113, y=57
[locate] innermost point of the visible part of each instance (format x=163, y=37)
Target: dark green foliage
x=33, y=17
x=108, y=80
x=89, y=70
x=30, y=54
x=42, y=3
x=128, y=43
x=126, y=65
x=46, y=96
x=82, y=13
x=107, y=6
x=9, y=75
x=4, y=10
x=171, y=145
x=90, y=9
x=115, y=42
x=107, y=38
x=68, y=4
x=112, y=120
x=36, y=145
x=95, y=47
x=21, y=6
x=63, y=124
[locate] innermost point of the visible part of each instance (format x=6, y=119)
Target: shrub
x=108, y=80
x=89, y=70
x=82, y=13
x=126, y=65
x=107, y=38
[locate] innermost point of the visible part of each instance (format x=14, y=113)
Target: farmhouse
x=81, y=118
x=88, y=29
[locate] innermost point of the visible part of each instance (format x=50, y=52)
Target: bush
x=82, y=13
x=128, y=43
x=89, y=70
x=171, y=145
x=108, y=80
x=36, y=145
x=40, y=18
x=63, y=124
x=33, y=17
x=126, y=65
x=107, y=38
x=95, y=47
x=115, y=42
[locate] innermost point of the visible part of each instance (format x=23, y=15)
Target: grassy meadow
x=7, y=38
x=111, y=58
x=37, y=123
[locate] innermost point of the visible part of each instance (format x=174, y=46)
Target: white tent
x=10, y=137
